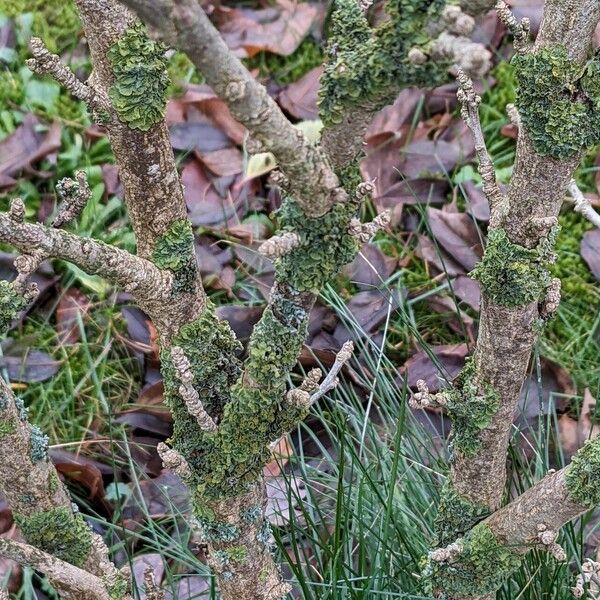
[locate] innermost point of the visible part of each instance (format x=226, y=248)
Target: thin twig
x=74, y=583
x=121, y=268
x=331, y=380
x=189, y=394
x=470, y=113
x=519, y=30
x=582, y=204
x=46, y=63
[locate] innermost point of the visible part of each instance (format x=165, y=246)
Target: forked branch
x=184, y=25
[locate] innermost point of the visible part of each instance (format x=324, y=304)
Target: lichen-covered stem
x=184, y=24
x=506, y=336
x=147, y=168
x=75, y=583
x=507, y=333
x=475, y=565
x=40, y=503
x=239, y=546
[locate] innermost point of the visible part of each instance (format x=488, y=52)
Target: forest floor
x=353, y=491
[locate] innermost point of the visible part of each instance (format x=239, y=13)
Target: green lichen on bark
x=139, y=91
x=118, y=589
x=58, y=531
x=583, y=475
x=231, y=555
x=559, y=101
x=456, y=515
x=175, y=251
x=11, y=304
x=325, y=246
x=513, y=275
x=471, y=405
x=53, y=482
x=369, y=67
x=211, y=347
x=213, y=530
x=482, y=566
x=253, y=418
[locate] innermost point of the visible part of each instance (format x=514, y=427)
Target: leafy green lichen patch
x=11, y=303
x=559, y=101
x=211, y=347
x=58, y=531
x=368, y=68
x=175, y=251
x=325, y=246
x=583, y=475
x=471, y=405
x=482, y=566
x=456, y=515
x=513, y=275
x=139, y=90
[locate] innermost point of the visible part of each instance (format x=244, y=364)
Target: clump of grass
x=96, y=376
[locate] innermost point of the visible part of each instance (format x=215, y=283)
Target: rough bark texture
x=41, y=505
x=237, y=574
x=548, y=503
x=76, y=584
x=502, y=356
x=141, y=277
x=146, y=163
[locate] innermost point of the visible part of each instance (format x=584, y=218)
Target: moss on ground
x=287, y=69
x=571, y=337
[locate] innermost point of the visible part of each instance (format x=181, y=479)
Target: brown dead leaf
x=202, y=98
x=468, y=290
x=82, y=469
x=457, y=235
x=279, y=29
x=228, y=161
x=25, y=147
x=370, y=268
x=438, y=364
x=590, y=251
x=574, y=433
x=205, y=205
x=300, y=98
